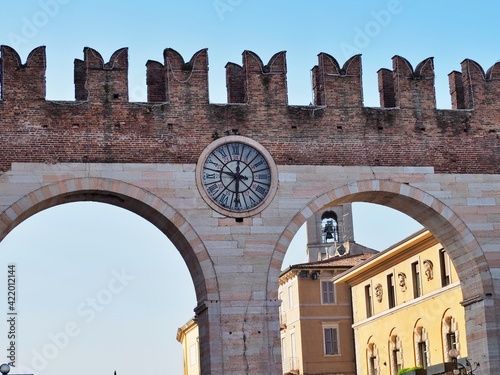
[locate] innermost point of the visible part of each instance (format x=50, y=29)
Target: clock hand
x=237, y=177
x=228, y=173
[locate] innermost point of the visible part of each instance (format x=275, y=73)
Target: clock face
x=236, y=177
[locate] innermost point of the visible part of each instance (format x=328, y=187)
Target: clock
x=236, y=176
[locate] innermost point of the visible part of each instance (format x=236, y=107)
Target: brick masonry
x=440, y=167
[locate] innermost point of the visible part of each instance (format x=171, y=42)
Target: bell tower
x=330, y=233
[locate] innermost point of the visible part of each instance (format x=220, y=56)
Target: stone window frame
x=449, y=326
x=372, y=359
x=332, y=292
x=330, y=215
x=420, y=337
x=395, y=346
x=335, y=338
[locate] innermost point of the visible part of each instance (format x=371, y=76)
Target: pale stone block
x=495, y=273
x=491, y=247
x=428, y=200
x=183, y=203
x=481, y=226
x=187, y=193
x=11, y=214
x=405, y=190
x=99, y=167
x=420, y=170
x=494, y=217
x=233, y=269
x=129, y=176
x=256, y=249
x=441, y=178
x=186, y=176
x=380, y=170
x=441, y=194
x=189, y=167
x=293, y=205
x=209, y=230
x=257, y=221
x=491, y=186
x=15, y=166
x=260, y=295
x=475, y=201
x=136, y=167
x=267, y=229
x=287, y=177
x=156, y=175
x=169, y=167
x=8, y=200
x=223, y=248
x=306, y=213
x=471, y=177
x=23, y=179
x=202, y=218
x=428, y=186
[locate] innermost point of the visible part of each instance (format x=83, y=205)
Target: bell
x=328, y=227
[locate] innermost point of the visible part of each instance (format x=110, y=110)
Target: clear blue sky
x=142, y=288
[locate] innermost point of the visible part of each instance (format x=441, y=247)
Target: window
x=331, y=340
x=368, y=301
x=372, y=359
x=415, y=271
x=450, y=336
x=193, y=356
x=444, y=263
x=283, y=350
x=396, y=359
x=422, y=354
x=329, y=227
x=327, y=292
x=395, y=364
x=373, y=366
x=290, y=297
x=391, y=291
x=294, y=360
x=451, y=340
x=421, y=347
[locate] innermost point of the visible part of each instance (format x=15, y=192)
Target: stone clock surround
x=272, y=169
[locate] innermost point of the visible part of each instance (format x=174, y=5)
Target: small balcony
x=282, y=321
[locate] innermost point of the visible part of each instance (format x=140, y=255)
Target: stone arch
x=132, y=198
x=432, y=213
x=447, y=226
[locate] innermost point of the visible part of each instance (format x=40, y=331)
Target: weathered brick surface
x=440, y=167
x=178, y=122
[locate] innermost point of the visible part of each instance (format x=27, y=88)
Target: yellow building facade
x=406, y=308
x=188, y=336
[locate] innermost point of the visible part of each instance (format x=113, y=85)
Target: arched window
x=450, y=337
x=421, y=347
x=396, y=354
x=372, y=359
x=329, y=227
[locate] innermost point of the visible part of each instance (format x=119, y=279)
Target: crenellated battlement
x=253, y=82
x=480, y=89
x=177, y=120
x=408, y=87
x=97, y=81
x=22, y=81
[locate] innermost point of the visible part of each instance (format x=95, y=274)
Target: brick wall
x=178, y=121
